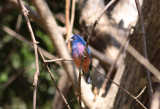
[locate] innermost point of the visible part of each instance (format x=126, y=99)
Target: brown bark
x=133, y=78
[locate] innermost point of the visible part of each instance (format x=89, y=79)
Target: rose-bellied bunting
x=78, y=46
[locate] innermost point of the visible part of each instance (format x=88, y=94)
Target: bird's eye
x=74, y=38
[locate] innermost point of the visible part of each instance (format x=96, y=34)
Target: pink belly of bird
x=86, y=63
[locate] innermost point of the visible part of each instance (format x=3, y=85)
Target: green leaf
x=3, y=77
x=16, y=61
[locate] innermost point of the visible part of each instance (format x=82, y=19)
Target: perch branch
x=87, y=43
x=55, y=60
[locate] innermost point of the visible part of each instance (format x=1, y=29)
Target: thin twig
x=24, y=40
x=120, y=87
x=149, y=83
x=72, y=17
x=25, y=14
x=96, y=22
x=92, y=29
x=67, y=10
x=55, y=60
x=61, y=95
x=72, y=21
x=19, y=20
x=79, y=88
x=71, y=100
x=103, y=87
x=140, y=93
x=87, y=43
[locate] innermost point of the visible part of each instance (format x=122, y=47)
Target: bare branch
x=25, y=14
x=55, y=60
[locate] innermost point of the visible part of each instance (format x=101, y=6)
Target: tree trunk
x=134, y=77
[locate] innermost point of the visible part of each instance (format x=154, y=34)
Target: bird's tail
x=88, y=78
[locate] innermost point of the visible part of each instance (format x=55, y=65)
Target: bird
x=78, y=46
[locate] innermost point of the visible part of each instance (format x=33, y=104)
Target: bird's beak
x=71, y=40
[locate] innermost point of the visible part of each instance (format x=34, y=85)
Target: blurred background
x=17, y=59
